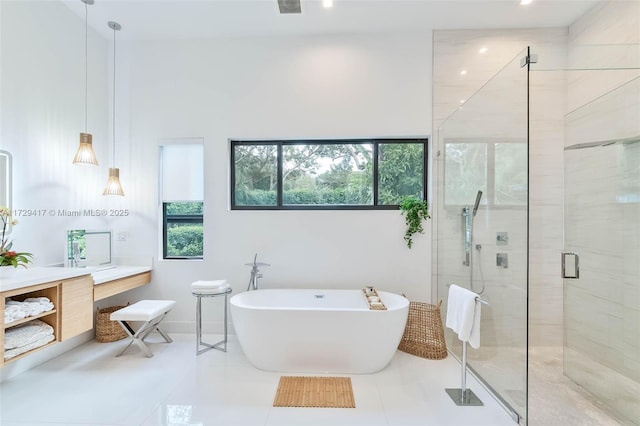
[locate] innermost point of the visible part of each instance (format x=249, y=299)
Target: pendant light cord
x=114, y=98
x=86, y=64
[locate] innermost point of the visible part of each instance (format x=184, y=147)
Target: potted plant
x=9, y=258
x=415, y=211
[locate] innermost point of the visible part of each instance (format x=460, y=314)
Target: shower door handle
x=570, y=265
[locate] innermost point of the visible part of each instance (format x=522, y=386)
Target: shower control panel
x=502, y=238
x=502, y=260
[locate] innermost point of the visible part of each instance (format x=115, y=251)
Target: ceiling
x=184, y=19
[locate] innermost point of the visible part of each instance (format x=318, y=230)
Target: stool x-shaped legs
x=138, y=337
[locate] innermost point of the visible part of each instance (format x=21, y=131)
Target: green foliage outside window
x=184, y=229
x=185, y=240
x=400, y=172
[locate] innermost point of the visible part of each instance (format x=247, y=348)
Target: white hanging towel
x=463, y=315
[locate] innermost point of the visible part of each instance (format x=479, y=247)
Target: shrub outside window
x=183, y=230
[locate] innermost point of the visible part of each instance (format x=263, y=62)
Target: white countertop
x=101, y=277
x=38, y=275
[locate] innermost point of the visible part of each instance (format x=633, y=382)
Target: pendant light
x=113, y=182
x=85, y=154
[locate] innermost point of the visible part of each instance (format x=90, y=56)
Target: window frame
x=375, y=142
x=195, y=219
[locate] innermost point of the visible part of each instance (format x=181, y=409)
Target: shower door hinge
x=529, y=59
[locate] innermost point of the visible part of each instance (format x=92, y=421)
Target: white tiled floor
x=89, y=386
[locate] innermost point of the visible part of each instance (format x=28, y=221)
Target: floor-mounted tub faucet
x=255, y=272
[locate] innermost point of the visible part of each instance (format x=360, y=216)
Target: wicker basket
x=107, y=330
x=424, y=334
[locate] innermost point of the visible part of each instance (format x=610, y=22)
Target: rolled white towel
x=47, y=306
x=23, y=306
x=209, y=285
x=30, y=309
x=43, y=300
x=34, y=308
x=13, y=316
x=212, y=290
x=11, y=309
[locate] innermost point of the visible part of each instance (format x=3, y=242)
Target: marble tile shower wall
x=454, y=51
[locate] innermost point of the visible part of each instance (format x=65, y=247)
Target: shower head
x=475, y=207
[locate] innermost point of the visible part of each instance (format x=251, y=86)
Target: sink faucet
x=76, y=254
x=255, y=272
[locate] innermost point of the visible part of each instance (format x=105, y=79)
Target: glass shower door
x=602, y=226
x=483, y=147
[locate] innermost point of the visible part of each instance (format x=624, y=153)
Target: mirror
x=88, y=248
x=5, y=181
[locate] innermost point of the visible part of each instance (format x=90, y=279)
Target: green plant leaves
x=415, y=211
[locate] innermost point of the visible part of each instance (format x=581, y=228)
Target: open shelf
x=22, y=355
x=51, y=291
x=31, y=318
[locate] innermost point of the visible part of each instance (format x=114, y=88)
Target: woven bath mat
x=330, y=392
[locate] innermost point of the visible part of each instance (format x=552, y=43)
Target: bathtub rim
x=402, y=302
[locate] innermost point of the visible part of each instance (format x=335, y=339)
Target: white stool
x=151, y=312
x=202, y=289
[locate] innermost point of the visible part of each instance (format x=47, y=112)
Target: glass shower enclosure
x=481, y=151
x=491, y=144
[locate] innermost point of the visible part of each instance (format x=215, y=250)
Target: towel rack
x=463, y=396
x=481, y=300
x=478, y=298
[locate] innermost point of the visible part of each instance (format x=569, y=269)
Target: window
x=183, y=230
x=336, y=174
x=498, y=169
x=181, y=170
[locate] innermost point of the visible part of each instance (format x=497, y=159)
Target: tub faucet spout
x=255, y=272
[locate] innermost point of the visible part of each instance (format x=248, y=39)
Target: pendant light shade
x=114, y=187
x=85, y=154
x=113, y=183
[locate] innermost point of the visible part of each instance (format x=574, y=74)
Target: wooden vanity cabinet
x=72, y=312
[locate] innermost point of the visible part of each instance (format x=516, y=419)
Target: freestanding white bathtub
x=318, y=331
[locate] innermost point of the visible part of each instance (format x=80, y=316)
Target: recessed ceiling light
x=483, y=49
x=329, y=3
x=463, y=72
x=463, y=101
x=525, y=2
